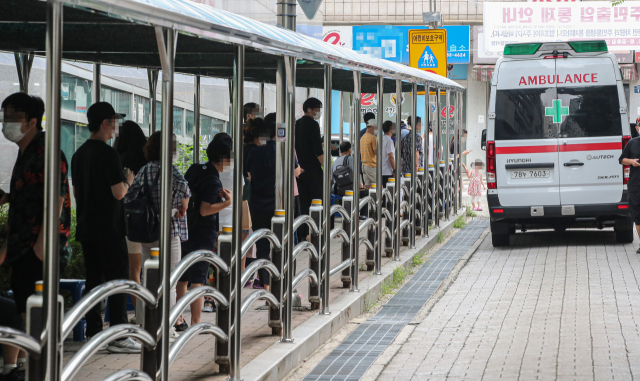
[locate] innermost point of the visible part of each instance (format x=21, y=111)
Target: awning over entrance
x=482, y=73
x=629, y=72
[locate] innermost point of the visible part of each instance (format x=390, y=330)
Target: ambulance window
x=520, y=114
x=593, y=111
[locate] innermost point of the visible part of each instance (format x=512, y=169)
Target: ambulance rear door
x=591, y=106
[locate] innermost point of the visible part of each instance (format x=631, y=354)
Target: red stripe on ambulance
x=561, y=148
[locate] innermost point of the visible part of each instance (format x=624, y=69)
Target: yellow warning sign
x=428, y=50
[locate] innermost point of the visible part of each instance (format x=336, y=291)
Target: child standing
x=476, y=183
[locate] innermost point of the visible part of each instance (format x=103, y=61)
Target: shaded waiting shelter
x=180, y=36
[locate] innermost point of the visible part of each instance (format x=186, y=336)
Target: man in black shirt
x=99, y=185
x=630, y=156
x=310, y=155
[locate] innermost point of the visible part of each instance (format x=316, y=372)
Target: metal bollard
x=420, y=211
x=35, y=319
x=277, y=286
x=430, y=192
x=150, y=358
x=224, y=284
x=371, y=233
x=347, y=204
x=315, y=297
x=441, y=191
x=406, y=181
x=388, y=242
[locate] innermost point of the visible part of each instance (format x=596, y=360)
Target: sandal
x=257, y=285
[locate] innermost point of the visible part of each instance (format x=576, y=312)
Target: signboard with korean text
x=338, y=35
x=428, y=50
x=391, y=42
x=515, y=22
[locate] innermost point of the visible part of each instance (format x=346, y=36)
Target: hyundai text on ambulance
x=557, y=125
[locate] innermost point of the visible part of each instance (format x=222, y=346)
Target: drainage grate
x=350, y=360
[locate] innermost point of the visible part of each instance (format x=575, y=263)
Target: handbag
x=246, y=216
x=141, y=218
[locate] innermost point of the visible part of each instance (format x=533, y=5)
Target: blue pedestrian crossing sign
x=428, y=60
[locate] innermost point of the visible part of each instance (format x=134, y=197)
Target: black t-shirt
x=96, y=168
x=205, y=185
x=308, y=145
x=245, y=152
x=261, y=163
x=632, y=151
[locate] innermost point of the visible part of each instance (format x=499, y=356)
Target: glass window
x=592, y=111
x=520, y=114
x=206, y=128
x=75, y=94
x=120, y=100
x=142, y=105
x=158, y=115
x=189, y=124
x=177, y=121
x=82, y=134
x=67, y=141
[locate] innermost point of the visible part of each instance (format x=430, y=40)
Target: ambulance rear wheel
x=499, y=240
x=624, y=236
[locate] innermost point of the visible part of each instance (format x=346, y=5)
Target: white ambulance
x=557, y=126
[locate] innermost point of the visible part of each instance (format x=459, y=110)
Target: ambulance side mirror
x=483, y=142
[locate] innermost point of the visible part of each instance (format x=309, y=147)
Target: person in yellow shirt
x=368, y=150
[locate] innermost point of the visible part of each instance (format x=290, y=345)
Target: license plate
x=531, y=174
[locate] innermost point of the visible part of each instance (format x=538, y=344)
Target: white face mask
x=318, y=115
x=13, y=131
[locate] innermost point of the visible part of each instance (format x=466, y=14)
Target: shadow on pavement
x=578, y=237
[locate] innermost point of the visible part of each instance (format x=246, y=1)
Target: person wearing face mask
x=310, y=155
x=99, y=186
x=368, y=151
x=388, y=152
x=148, y=178
x=24, y=249
x=405, y=147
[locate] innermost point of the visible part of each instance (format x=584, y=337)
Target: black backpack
x=343, y=177
x=141, y=217
x=193, y=210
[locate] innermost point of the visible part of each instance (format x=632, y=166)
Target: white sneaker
x=127, y=345
x=173, y=334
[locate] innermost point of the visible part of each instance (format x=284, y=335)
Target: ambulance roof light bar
x=577, y=46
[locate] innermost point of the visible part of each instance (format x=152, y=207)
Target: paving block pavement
x=552, y=306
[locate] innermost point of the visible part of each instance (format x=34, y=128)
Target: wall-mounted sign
x=428, y=50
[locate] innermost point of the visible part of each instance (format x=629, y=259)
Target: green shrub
x=459, y=222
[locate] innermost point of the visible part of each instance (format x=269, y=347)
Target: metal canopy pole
x=414, y=168
x=288, y=198
x=167, y=40
x=238, y=102
x=379, y=188
x=196, y=119
x=427, y=151
x=97, y=82
x=341, y=119
x=53, y=43
x=264, y=109
x=398, y=187
x=461, y=132
x=447, y=168
x=454, y=168
x=24, y=62
x=437, y=153
x=355, y=211
x=326, y=193
x=152, y=76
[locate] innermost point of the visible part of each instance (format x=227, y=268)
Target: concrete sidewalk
x=550, y=307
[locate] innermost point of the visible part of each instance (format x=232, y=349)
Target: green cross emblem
x=556, y=111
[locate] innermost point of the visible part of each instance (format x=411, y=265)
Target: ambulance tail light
x=625, y=168
x=491, y=165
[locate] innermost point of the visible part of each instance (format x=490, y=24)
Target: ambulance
x=557, y=124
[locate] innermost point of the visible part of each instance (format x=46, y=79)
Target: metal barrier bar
x=92, y=346
x=304, y=219
x=326, y=189
x=19, y=339
x=303, y=274
x=257, y=265
x=391, y=210
x=414, y=168
x=236, y=237
x=193, y=331
x=194, y=294
x=437, y=142
x=366, y=242
x=348, y=228
x=315, y=260
x=306, y=246
x=343, y=265
x=380, y=187
x=461, y=131
x=257, y=295
x=196, y=119
x=456, y=154
x=151, y=319
x=398, y=235
x=343, y=212
x=224, y=284
x=446, y=156
x=357, y=163
x=372, y=233
x=197, y=256
x=406, y=215
x=90, y=300
x=128, y=375
x=51, y=224
x=277, y=285
x=257, y=236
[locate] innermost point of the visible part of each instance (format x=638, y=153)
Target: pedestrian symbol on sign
x=428, y=60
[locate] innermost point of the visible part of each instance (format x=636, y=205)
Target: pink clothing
x=475, y=184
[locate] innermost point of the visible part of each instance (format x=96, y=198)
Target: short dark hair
x=248, y=109
x=30, y=105
x=221, y=147
x=270, y=118
x=344, y=147
x=368, y=116
x=418, y=120
x=386, y=126
x=153, y=149
x=311, y=103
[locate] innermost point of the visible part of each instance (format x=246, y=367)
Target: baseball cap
x=372, y=122
x=100, y=111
